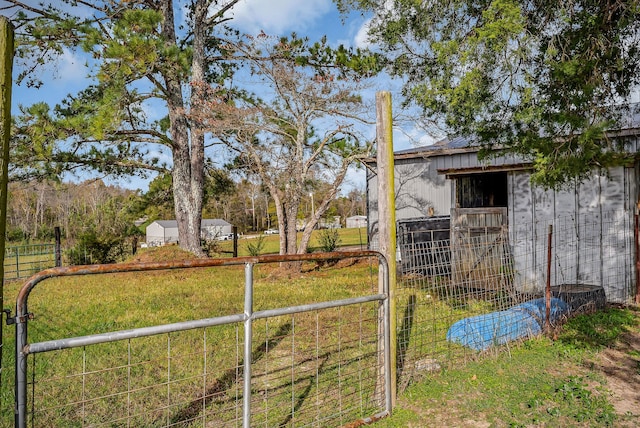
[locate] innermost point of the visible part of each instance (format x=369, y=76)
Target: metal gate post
x=248, y=339
x=389, y=372
x=21, y=369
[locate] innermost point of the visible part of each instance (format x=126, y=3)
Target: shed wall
x=418, y=187
x=593, y=233
x=170, y=235
x=155, y=234
x=593, y=240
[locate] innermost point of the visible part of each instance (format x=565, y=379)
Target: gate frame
x=23, y=348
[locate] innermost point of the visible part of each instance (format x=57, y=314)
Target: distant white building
x=163, y=232
x=357, y=221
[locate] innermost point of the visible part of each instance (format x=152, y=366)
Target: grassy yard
x=352, y=237
x=587, y=375
x=85, y=386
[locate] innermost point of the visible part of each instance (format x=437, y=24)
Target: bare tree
x=303, y=127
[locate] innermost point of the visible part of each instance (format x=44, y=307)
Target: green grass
x=540, y=382
x=165, y=373
x=348, y=237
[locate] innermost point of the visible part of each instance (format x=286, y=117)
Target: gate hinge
x=12, y=320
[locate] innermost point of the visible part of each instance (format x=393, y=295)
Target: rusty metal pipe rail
x=182, y=264
x=23, y=349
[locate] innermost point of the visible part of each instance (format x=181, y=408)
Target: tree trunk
x=291, y=209
x=188, y=153
x=188, y=203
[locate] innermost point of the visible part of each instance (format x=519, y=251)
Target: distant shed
x=163, y=232
x=356, y=221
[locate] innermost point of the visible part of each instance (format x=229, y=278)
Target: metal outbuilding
x=448, y=179
x=163, y=232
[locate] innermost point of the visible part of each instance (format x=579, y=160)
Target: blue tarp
x=497, y=328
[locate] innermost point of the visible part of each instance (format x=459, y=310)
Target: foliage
x=538, y=79
x=140, y=58
x=158, y=201
x=35, y=209
x=256, y=247
x=211, y=247
x=329, y=240
x=91, y=248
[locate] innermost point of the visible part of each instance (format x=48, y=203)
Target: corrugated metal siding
x=470, y=160
x=600, y=211
x=418, y=187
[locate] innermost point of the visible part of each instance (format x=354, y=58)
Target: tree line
x=105, y=221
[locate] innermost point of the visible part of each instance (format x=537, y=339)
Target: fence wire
x=314, y=369
x=478, y=272
x=23, y=261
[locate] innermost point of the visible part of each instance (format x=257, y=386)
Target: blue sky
x=312, y=18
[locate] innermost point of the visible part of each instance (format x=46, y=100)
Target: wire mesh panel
x=25, y=260
x=429, y=304
x=487, y=277
x=318, y=369
x=167, y=380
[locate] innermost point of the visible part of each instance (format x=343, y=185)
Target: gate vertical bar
x=248, y=339
x=21, y=369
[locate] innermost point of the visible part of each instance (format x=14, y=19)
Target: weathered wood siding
x=593, y=238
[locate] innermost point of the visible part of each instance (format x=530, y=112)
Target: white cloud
x=361, y=39
x=71, y=67
x=278, y=16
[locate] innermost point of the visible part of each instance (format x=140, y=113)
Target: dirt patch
x=620, y=365
x=166, y=253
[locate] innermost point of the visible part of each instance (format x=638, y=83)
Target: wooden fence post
x=6, y=55
x=58, y=248
x=387, y=213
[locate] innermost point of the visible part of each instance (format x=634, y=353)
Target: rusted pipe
x=180, y=264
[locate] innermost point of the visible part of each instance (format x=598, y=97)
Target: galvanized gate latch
x=12, y=320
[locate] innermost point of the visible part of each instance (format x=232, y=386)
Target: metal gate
x=362, y=365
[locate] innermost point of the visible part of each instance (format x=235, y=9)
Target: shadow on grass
x=229, y=378
x=598, y=330
x=404, y=336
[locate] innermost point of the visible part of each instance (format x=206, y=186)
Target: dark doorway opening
x=482, y=190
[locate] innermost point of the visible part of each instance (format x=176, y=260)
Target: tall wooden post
x=6, y=55
x=387, y=212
